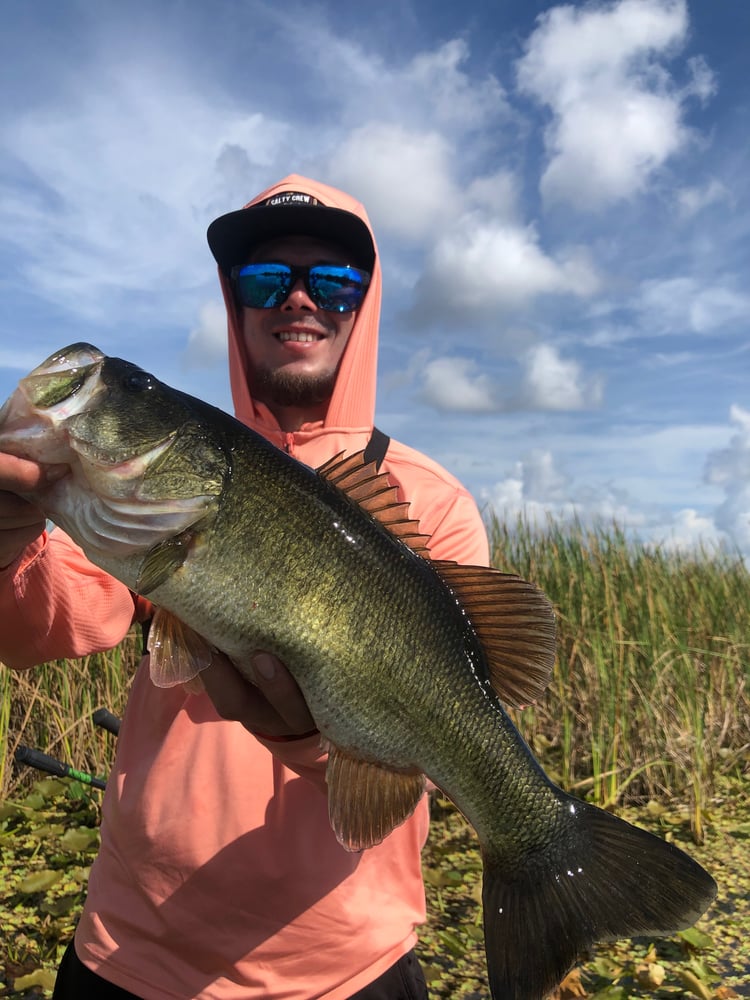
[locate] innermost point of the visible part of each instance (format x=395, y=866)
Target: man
x=219, y=876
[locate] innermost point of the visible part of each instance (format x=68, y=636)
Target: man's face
x=294, y=349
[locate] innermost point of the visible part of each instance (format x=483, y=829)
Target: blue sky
x=560, y=193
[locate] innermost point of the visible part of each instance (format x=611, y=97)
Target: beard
x=285, y=388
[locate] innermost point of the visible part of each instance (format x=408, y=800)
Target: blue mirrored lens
x=335, y=288
x=264, y=286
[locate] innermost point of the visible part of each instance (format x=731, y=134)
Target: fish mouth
x=61, y=386
x=58, y=381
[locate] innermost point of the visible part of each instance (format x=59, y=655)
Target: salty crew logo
x=292, y=198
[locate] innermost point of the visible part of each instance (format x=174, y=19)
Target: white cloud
x=123, y=180
x=496, y=194
x=540, y=493
x=617, y=117
x=688, y=532
x=691, y=200
x=433, y=85
x=400, y=157
x=454, y=98
x=553, y=383
x=729, y=468
x=547, y=383
x=540, y=488
x=479, y=268
x=685, y=304
x=455, y=384
x=207, y=342
x=403, y=177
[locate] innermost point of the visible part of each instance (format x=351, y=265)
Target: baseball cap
x=232, y=237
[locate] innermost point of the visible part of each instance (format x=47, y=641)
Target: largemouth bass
x=406, y=663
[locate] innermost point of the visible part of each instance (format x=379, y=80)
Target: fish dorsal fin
x=375, y=493
x=178, y=654
x=514, y=623
x=366, y=801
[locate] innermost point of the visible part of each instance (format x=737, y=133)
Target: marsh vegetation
x=648, y=714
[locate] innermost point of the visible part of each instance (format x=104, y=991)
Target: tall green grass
x=650, y=697
x=50, y=708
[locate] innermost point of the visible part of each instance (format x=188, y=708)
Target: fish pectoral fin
x=366, y=801
x=162, y=560
x=515, y=623
x=178, y=654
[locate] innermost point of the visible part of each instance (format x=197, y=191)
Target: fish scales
x=297, y=601
x=401, y=661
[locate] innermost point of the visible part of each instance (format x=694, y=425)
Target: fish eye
x=137, y=381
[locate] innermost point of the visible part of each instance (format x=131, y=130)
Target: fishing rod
x=103, y=718
x=51, y=765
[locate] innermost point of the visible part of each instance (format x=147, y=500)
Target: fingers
x=20, y=475
x=272, y=706
x=20, y=524
x=20, y=521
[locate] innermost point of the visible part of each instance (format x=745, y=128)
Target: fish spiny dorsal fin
x=515, y=624
x=375, y=493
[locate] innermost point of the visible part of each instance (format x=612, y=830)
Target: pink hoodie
x=219, y=876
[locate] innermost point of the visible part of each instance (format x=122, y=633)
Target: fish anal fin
x=178, y=654
x=373, y=491
x=514, y=623
x=366, y=801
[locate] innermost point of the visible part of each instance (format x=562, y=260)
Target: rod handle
x=104, y=718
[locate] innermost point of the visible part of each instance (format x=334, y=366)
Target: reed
x=650, y=696
x=50, y=708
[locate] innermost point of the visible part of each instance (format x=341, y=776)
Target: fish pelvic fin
x=366, y=800
x=178, y=654
x=374, y=492
x=515, y=624
x=606, y=880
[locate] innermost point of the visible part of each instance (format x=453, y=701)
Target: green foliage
x=648, y=711
x=48, y=839
x=50, y=708
x=710, y=960
x=651, y=694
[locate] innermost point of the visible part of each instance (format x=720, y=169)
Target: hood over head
x=299, y=206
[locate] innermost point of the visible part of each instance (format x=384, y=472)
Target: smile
x=299, y=336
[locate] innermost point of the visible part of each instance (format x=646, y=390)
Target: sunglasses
x=333, y=287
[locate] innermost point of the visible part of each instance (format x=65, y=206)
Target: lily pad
x=40, y=977
x=78, y=838
x=39, y=881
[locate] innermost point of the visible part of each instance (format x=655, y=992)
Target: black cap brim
x=232, y=237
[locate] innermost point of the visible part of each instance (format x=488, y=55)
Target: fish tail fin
x=601, y=879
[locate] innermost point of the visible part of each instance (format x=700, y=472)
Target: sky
x=560, y=195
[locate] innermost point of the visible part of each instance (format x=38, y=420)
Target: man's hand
x=273, y=706
x=20, y=521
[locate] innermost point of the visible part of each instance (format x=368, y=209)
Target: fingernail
x=265, y=666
